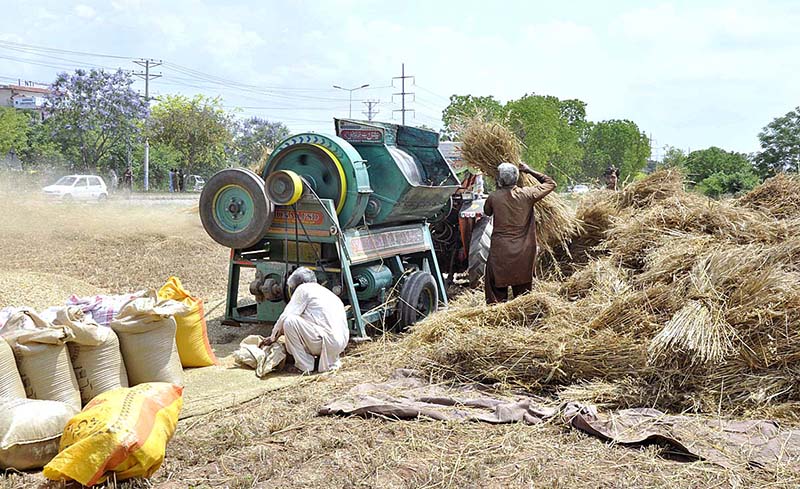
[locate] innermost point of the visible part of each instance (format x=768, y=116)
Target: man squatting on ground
x=512, y=255
x=314, y=323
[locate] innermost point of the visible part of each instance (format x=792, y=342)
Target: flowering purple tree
x=94, y=111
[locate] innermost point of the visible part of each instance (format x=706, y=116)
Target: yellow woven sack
x=124, y=431
x=192, y=335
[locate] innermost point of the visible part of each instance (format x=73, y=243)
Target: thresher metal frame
x=354, y=247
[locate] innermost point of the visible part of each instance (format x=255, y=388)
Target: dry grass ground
x=277, y=440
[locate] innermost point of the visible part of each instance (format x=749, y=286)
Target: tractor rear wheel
x=419, y=297
x=479, y=244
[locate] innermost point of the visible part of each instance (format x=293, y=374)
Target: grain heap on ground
x=674, y=301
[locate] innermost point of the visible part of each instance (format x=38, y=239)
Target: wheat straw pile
x=486, y=144
x=676, y=301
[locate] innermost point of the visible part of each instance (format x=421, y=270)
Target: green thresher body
x=353, y=207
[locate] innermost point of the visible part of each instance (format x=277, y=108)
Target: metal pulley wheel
x=284, y=187
x=234, y=208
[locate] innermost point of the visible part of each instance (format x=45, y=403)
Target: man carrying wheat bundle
x=512, y=255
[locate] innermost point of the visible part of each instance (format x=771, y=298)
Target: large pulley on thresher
x=234, y=208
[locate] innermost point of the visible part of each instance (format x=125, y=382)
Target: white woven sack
x=146, y=330
x=10, y=382
x=30, y=431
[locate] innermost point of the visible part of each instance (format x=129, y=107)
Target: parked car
x=77, y=188
x=579, y=189
x=194, y=183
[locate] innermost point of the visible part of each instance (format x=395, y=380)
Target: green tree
x=254, y=136
x=673, y=157
x=13, y=130
x=551, y=132
x=42, y=151
x=717, y=172
x=198, y=128
x=615, y=142
x=780, y=145
x=466, y=106
x=94, y=111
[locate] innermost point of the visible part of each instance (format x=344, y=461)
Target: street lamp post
x=351, y=90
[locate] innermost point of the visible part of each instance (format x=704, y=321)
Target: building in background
x=25, y=96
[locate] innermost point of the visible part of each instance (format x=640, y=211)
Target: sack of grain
x=30, y=431
x=192, y=335
x=94, y=353
x=42, y=359
x=123, y=433
x=102, y=308
x=10, y=382
x=146, y=330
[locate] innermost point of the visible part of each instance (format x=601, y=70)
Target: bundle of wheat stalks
x=486, y=144
x=678, y=302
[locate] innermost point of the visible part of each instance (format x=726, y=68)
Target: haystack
x=778, y=196
x=684, y=303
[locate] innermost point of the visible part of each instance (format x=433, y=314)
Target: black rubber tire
x=418, y=298
x=263, y=213
x=67, y=199
x=102, y=198
x=479, y=245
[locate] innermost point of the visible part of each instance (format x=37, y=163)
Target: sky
x=691, y=74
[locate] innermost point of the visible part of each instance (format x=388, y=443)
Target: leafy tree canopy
x=466, y=106
x=615, y=142
x=94, y=111
x=717, y=172
x=13, y=130
x=198, y=128
x=780, y=145
x=255, y=138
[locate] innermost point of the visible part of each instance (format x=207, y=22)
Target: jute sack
x=146, y=331
x=94, y=353
x=43, y=360
x=124, y=432
x=30, y=431
x=10, y=383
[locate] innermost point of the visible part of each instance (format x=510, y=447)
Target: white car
x=580, y=189
x=77, y=188
x=194, y=183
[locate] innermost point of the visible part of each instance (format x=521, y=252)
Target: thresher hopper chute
x=352, y=207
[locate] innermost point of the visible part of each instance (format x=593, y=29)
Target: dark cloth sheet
x=729, y=443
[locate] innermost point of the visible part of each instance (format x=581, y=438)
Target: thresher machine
x=354, y=207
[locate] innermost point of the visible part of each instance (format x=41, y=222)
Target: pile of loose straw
x=676, y=301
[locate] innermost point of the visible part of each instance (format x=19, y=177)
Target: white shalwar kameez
x=315, y=325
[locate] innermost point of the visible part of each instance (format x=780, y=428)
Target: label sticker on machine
x=313, y=218
x=359, y=133
x=386, y=243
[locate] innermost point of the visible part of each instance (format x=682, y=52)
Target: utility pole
x=371, y=110
x=147, y=76
x=351, y=90
x=403, y=93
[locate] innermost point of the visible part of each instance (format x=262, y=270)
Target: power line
x=403, y=92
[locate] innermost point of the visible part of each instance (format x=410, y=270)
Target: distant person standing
x=112, y=180
x=127, y=180
x=180, y=180
x=171, y=180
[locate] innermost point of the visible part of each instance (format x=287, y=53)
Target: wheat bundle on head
x=486, y=144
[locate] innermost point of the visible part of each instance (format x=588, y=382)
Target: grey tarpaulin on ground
x=724, y=442
x=146, y=330
x=30, y=431
x=10, y=381
x=42, y=358
x=263, y=360
x=94, y=352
